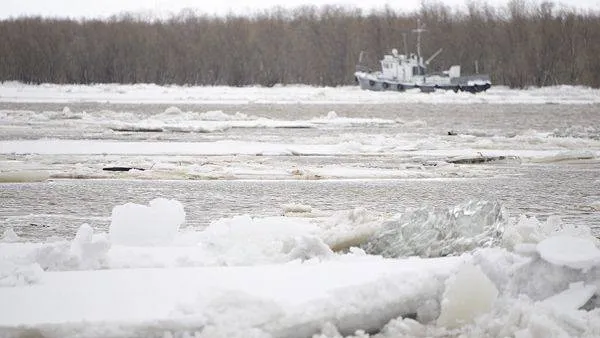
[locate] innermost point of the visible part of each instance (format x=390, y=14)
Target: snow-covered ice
x=277, y=277
x=198, y=143
x=473, y=269
x=38, y=160
x=292, y=94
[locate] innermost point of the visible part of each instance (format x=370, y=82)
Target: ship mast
x=419, y=30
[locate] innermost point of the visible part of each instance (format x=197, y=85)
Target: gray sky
x=105, y=8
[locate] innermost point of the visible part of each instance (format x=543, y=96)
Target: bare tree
x=521, y=44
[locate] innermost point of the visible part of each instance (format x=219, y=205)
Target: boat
x=400, y=72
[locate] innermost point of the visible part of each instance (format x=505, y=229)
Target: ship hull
x=472, y=84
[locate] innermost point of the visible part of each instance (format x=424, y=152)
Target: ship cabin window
x=418, y=70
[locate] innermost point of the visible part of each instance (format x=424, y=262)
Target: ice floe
x=278, y=277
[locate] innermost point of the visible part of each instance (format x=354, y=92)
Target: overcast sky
x=105, y=8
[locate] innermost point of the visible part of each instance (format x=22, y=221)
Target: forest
x=519, y=45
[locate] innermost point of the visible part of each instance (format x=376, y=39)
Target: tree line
x=521, y=44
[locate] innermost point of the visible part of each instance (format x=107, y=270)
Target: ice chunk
x=528, y=230
x=173, y=111
x=570, y=155
x=55, y=256
x=329, y=330
x=84, y=234
x=526, y=249
x=9, y=235
x=243, y=240
x=349, y=228
x=89, y=253
x=12, y=274
x=573, y=252
x=404, y=327
x=136, y=224
x=468, y=294
x=85, y=252
x=215, y=115
x=306, y=247
x=295, y=208
x=429, y=232
x=571, y=299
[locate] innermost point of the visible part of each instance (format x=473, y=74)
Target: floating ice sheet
x=291, y=94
